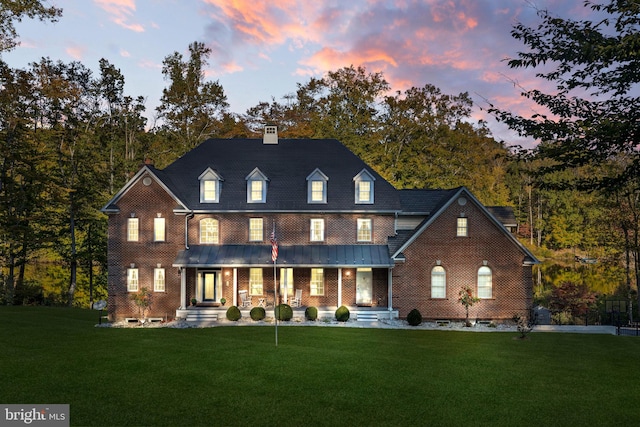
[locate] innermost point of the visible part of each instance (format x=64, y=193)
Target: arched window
x=438, y=282
x=209, y=231
x=485, y=282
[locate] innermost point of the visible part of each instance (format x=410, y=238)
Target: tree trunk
x=74, y=260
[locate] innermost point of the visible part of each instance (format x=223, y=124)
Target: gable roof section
x=439, y=205
x=155, y=174
x=287, y=165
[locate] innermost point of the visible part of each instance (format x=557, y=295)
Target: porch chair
x=245, y=299
x=296, y=301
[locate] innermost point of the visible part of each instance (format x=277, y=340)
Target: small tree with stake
x=142, y=299
x=467, y=299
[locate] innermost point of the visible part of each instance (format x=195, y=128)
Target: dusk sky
x=262, y=49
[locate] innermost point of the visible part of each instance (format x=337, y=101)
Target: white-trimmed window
x=317, y=230
x=159, y=229
x=133, y=225
x=210, y=186
x=209, y=231
x=256, y=230
x=132, y=279
x=485, y=282
x=364, y=186
x=317, y=187
x=364, y=230
x=255, y=281
x=438, y=282
x=159, y=280
x=256, y=187
x=462, y=229
x=286, y=281
x=317, y=281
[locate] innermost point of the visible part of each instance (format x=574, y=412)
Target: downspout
x=187, y=217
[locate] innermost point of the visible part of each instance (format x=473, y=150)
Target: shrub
x=257, y=313
x=311, y=313
x=284, y=312
x=342, y=314
x=233, y=313
x=414, y=318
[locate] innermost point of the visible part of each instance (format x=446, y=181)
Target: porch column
x=390, y=289
x=339, y=287
x=183, y=287
x=235, y=286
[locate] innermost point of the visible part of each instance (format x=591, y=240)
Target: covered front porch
x=212, y=314
x=325, y=277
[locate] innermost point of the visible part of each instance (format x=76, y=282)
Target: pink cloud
x=121, y=11
x=76, y=51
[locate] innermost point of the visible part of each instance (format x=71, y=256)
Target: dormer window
x=210, y=186
x=364, y=187
x=317, y=187
x=256, y=187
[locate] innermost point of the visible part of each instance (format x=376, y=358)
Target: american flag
x=274, y=246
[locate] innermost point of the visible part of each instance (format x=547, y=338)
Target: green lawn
x=236, y=376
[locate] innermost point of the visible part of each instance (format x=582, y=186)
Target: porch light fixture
x=348, y=273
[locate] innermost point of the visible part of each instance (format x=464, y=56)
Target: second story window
x=256, y=187
x=209, y=232
x=256, y=233
x=317, y=187
x=317, y=230
x=133, y=225
x=462, y=229
x=364, y=230
x=159, y=229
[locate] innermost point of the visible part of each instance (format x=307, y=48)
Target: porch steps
x=366, y=317
x=201, y=316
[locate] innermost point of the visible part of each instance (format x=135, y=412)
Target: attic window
x=210, y=186
x=317, y=187
x=364, y=187
x=256, y=187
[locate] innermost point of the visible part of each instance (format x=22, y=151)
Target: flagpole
x=274, y=258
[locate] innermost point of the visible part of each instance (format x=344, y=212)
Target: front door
x=364, y=286
x=209, y=286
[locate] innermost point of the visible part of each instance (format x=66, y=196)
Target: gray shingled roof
x=422, y=202
x=286, y=165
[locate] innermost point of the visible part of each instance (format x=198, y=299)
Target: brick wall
x=461, y=257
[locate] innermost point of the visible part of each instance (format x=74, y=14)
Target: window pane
x=317, y=281
x=462, y=227
x=132, y=229
x=132, y=280
x=286, y=281
x=317, y=191
x=364, y=230
x=158, y=280
x=256, y=191
x=255, y=281
x=364, y=191
x=317, y=230
x=438, y=283
x=255, y=230
x=158, y=230
x=209, y=231
x=485, y=285
x=210, y=188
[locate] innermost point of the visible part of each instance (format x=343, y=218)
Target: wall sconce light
x=348, y=273
x=179, y=271
x=226, y=273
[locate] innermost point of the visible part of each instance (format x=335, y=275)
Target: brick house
x=200, y=230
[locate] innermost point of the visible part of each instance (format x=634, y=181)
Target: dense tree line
x=71, y=138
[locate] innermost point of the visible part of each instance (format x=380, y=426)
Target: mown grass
x=316, y=375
